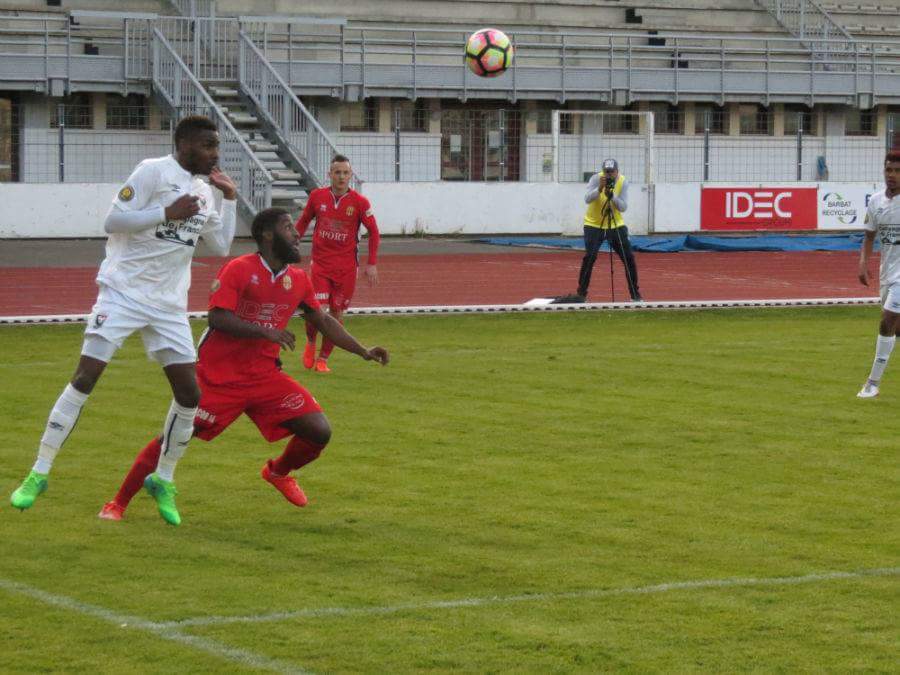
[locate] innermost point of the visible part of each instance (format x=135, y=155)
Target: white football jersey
x=883, y=217
x=153, y=266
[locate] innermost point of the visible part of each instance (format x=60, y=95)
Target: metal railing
x=206, y=8
x=353, y=62
x=184, y=95
x=813, y=26
x=208, y=45
x=297, y=130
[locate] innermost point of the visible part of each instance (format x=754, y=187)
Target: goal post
x=582, y=139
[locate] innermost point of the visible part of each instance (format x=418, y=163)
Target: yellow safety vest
x=594, y=215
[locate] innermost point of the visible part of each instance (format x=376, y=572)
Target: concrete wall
x=489, y=208
x=78, y=210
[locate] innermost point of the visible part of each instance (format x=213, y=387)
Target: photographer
x=607, y=200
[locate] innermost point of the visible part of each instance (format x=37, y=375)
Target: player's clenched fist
x=184, y=207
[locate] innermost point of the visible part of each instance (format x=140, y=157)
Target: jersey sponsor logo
x=322, y=296
x=266, y=314
x=171, y=231
x=333, y=235
x=216, y=285
x=287, y=282
x=126, y=194
x=293, y=402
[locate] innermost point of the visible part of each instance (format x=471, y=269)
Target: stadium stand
x=385, y=83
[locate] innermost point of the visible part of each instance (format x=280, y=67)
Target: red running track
x=507, y=278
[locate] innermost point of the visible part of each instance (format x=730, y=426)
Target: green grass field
x=682, y=491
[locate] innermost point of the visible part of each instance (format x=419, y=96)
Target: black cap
x=610, y=165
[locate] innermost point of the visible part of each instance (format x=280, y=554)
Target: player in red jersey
x=339, y=212
x=253, y=298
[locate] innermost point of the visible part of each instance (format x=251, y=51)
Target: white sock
x=177, y=431
x=63, y=418
x=883, y=348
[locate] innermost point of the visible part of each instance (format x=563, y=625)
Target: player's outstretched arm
x=334, y=331
x=228, y=322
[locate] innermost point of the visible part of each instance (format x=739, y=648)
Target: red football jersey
x=247, y=287
x=336, y=235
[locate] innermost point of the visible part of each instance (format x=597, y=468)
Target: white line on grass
x=536, y=597
x=166, y=631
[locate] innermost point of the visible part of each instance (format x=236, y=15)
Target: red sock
x=144, y=465
x=311, y=333
x=327, y=345
x=299, y=452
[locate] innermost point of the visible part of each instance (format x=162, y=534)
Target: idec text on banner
x=762, y=208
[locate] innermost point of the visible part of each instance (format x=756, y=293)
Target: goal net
x=582, y=139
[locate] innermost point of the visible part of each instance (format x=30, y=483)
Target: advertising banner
x=758, y=208
x=843, y=206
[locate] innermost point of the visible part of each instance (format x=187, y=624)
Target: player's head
x=610, y=169
x=892, y=170
x=340, y=173
x=274, y=230
x=197, y=144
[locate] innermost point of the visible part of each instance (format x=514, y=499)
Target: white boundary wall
x=77, y=210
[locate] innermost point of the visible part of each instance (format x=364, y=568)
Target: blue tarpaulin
x=696, y=242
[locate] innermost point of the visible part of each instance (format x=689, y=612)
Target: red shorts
x=269, y=403
x=333, y=288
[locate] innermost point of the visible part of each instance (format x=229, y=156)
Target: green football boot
x=33, y=486
x=163, y=492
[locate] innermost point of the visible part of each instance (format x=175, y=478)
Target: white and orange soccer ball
x=489, y=52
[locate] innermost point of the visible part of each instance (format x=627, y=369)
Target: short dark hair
x=340, y=158
x=892, y=156
x=192, y=125
x=266, y=220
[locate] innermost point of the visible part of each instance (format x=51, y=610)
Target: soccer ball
x=489, y=52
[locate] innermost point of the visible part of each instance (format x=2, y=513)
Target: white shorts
x=890, y=297
x=167, y=336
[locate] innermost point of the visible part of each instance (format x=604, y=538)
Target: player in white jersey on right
x=154, y=225
x=883, y=220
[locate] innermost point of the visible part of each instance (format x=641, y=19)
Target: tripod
x=613, y=234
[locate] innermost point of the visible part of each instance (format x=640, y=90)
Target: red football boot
x=112, y=511
x=309, y=355
x=285, y=485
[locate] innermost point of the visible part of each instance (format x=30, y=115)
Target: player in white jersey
x=883, y=221
x=154, y=225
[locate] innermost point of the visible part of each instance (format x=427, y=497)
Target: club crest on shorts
x=126, y=194
x=287, y=282
x=99, y=319
x=293, y=402
x=216, y=285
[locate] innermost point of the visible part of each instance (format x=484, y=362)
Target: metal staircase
x=829, y=42
x=272, y=124
x=180, y=93
x=289, y=186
